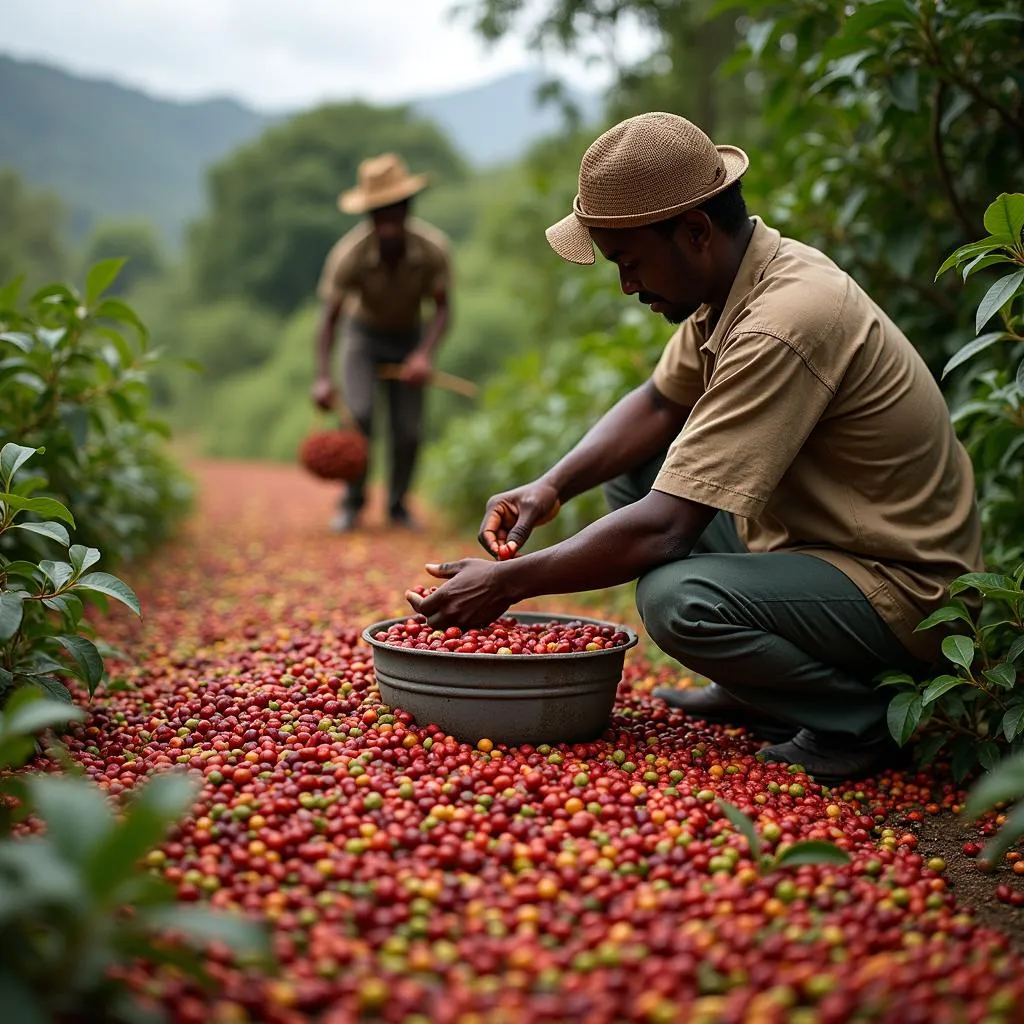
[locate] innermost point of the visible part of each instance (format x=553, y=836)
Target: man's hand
x=511, y=517
x=474, y=595
x=416, y=368
x=323, y=393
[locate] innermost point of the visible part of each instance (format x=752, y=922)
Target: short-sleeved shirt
x=818, y=425
x=382, y=296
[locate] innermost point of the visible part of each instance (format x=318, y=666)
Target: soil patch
x=944, y=836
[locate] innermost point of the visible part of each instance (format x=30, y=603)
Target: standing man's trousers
x=364, y=350
x=786, y=632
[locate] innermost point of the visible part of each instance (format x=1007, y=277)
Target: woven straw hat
x=645, y=169
x=382, y=180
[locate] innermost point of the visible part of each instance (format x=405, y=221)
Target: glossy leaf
x=54, y=531
x=11, y=612
x=1003, y=674
x=58, y=573
x=1016, y=649
x=948, y=613
x=971, y=349
x=960, y=650
x=111, y=586
x=77, y=815
x=1011, y=723
x=48, y=508
x=1005, y=216
x=87, y=658
x=903, y=716
x=83, y=558
x=811, y=851
x=996, y=297
x=12, y=458
x=939, y=686
x=968, y=252
x=744, y=825
x=100, y=277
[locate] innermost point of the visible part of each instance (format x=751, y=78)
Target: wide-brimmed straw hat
x=646, y=169
x=382, y=180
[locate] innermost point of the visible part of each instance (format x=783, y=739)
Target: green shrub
x=75, y=902
x=976, y=711
x=74, y=380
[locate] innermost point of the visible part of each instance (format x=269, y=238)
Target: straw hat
x=382, y=180
x=645, y=169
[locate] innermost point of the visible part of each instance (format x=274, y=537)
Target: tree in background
x=272, y=204
x=31, y=241
x=136, y=242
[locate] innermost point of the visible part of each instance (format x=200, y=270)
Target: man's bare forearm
x=639, y=426
x=436, y=329
x=618, y=548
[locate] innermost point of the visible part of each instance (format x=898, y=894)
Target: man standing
x=786, y=488
x=376, y=279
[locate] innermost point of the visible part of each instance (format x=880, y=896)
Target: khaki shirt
x=379, y=295
x=817, y=424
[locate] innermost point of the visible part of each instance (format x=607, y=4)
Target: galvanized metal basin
x=527, y=698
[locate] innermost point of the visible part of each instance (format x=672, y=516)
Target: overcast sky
x=275, y=55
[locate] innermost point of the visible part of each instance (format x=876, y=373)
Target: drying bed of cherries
x=409, y=878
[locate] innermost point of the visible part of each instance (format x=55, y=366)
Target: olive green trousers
x=786, y=632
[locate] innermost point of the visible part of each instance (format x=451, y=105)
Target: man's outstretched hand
x=474, y=596
x=511, y=517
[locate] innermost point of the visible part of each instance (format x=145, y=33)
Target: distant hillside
x=115, y=152
x=494, y=123
x=111, y=151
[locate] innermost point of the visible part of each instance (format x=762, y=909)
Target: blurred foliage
x=31, y=242
x=272, y=204
x=74, y=379
x=136, y=242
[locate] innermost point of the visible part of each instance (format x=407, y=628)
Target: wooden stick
x=437, y=378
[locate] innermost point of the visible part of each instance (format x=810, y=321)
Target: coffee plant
x=74, y=380
x=41, y=601
x=78, y=912
x=976, y=711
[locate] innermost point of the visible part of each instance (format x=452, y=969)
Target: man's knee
x=677, y=605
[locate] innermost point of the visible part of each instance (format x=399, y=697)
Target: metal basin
x=526, y=698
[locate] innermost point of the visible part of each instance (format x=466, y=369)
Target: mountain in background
x=112, y=152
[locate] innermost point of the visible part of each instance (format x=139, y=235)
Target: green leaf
x=18, y=340
x=903, y=715
x=66, y=604
x=11, y=611
x=48, y=508
x=52, y=688
x=12, y=458
x=996, y=297
x=959, y=650
x=76, y=813
x=988, y=754
x=55, y=531
x=1011, y=831
x=903, y=89
x=744, y=825
x=897, y=679
x=986, y=583
x=971, y=349
x=927, y=748
x=28, y=713
x=1020, y=377
x=1005, y=782
x=811, y=851
x=985, y=260
x=940, y=685
x=1016, y=649
x=149, y=814
x=100, y=277
x=82, y=557
x=948, y=613
x=57, y=572
x=88, y=658
x=969, y=251
x=200, y=926
x=1012, y=722
x=1005, y=216
x=1003, y=674
x=104, y=583
x=116, y=309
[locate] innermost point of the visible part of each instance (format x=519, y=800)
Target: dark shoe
x=400, y=519
x=834, y=757
x=344, y=521
x=716, y=705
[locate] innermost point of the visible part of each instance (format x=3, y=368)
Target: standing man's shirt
x=817, y=424
x=380, y=296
